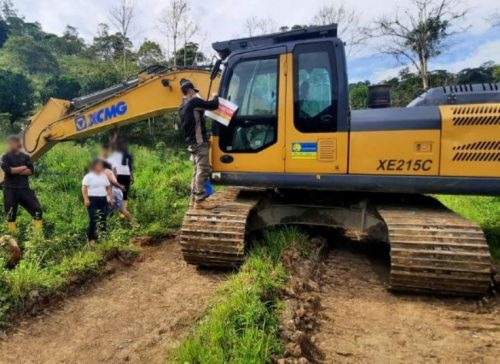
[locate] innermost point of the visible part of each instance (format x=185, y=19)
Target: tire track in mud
x=361, y=322
x=136, y=315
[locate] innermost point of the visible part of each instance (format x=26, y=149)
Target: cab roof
x=224, y=49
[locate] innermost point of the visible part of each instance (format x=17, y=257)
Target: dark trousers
x=125, y=181
x=98, y=211
x=13, y=197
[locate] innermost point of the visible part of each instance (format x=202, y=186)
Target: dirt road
x=136, y=315
x=364, y=323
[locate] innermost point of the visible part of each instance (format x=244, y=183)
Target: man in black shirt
x=195, y=134
x=16, y=190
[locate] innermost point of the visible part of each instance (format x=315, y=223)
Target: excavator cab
x=291, y=89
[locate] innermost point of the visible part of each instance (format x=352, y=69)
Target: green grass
x=52, y=260
x=483, y=210
x=241, y=325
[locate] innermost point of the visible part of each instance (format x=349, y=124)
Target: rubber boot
x=38, y=225
x=11, y=227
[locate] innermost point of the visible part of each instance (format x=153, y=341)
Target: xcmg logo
x=83, y=122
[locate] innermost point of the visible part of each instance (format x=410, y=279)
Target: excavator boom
x=133, y=101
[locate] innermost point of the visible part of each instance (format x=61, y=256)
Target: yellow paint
x=149, y=98
x=267, y=160
x=470, y=137
x=369, y=148
x=331, y=156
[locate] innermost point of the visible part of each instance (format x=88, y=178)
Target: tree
x=358, y=95
x=62, y=87
x=172, y=20
x=420, y=33
x=190, y=54
x=483, y=73
x=69, y=44
x=256, y=26
x=149, y=53
x=4, y=32
x=110, y=47
x=348, y=22
x=121, y=16
x=99, y=80
x=29, y=56
x=189, y=29
x=16, y=95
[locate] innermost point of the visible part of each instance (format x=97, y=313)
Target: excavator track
x=215, y=237
x=433, y=250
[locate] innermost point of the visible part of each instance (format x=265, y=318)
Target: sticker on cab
x=302, y=150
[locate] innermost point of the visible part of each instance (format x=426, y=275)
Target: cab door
x=316, y=140
x=253, y=141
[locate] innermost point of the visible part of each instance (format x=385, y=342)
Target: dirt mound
x=302, y=303
x=364, y=323
x=136, y=315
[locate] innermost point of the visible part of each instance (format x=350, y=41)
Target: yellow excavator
x=295, y=153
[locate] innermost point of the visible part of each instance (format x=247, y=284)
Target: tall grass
x=483, y=210
x=159, y=199
x=241, y=326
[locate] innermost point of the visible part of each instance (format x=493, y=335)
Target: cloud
x=489, y=51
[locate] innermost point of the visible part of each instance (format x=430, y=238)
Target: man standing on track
x=16, y=191
x=195, y=134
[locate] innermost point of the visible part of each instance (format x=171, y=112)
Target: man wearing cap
x=195, y=134
x=16, y=191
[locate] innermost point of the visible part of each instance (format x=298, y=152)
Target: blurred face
x=104, y=152
x=98, y=167
x=13, y=145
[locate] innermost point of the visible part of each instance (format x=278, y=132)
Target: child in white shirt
x=98, y=197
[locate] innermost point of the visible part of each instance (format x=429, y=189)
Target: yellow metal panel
x=321, y=153
x=270, y=159
x=408, y=152
x=470, y=140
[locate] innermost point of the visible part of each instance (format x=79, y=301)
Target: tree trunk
x=424, y=73
x=175, y=50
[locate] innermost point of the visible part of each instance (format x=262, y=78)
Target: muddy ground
x=140, y=312
x=361, y=322
x=135, y=315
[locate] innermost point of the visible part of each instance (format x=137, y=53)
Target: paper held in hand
x=224, y=113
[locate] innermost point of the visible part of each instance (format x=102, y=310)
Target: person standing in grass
x=123, y=165
x=117, y=189
x=98, y=197
x=17, y=167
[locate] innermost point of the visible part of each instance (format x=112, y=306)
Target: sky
x=224, y=19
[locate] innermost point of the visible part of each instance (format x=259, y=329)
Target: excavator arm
x=152, y=94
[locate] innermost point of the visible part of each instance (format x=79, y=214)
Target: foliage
x=189, y=55
x=419, y=33
x=61, y=87
x=483, y=210
x=4, y=32
x=358, y=95
x=27, y=55
x=149, y=53
x=159, y=198
x=241, y=326
x=16, y=95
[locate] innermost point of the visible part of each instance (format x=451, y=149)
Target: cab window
x=315, y=101
x=253, y=86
